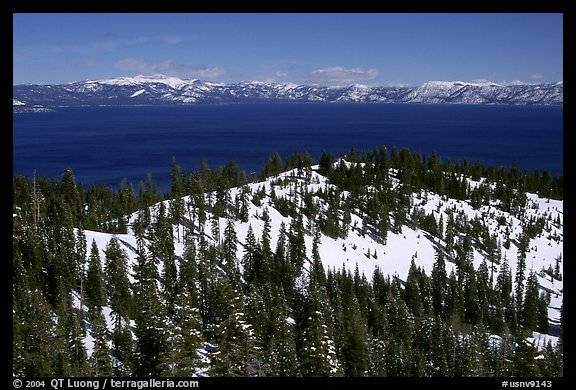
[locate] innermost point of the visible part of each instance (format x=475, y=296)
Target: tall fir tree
x=318, y=357
x=117, y=283
x=95, y=293
x=182, y=356
x=150, y=332
x=100, y=361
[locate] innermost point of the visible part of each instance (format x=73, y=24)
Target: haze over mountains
x=160, y=89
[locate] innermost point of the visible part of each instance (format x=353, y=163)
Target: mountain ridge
x=160, y=89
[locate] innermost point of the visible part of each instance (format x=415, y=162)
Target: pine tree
x=326, y=164
x=123, y=363
x=521, y=268
x=233, y=337
x=283, y=358
x=296, y=246
x=542, y=312
x=188, y=275
x=318, y=350
x=38, y=353
x=80, y=259
x=455, y=300
x=18, y=347
x=71, y=359
x=150, y=332
x=377, y=364
x=59, y=248
x=100, y=360
x=281, y=270
x=70, y=192
x=355, y=344
x=524, y=359
x=250, y=259
x=176, y=193
x=398, y=318
x=472, y=310
x=317, y=272
x=531, y=301
x=484, y=288
x=162, y=248
x=229, y=250
x=95, y=296
x=182, y=356
x=205, y=280
x=267, y=255
x=258, y=313
x=439, y=283
x=450, y=234
x=412, y=291
x=504, y=282
x=117, y=283
x=438, y=353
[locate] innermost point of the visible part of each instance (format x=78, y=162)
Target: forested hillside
x=377, y=263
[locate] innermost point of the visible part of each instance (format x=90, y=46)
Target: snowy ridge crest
x=161, y=89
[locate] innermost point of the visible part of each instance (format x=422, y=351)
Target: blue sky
x=325, y=49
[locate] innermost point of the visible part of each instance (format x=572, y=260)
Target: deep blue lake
x=106, y=144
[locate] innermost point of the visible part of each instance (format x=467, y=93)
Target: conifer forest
x=374, y=263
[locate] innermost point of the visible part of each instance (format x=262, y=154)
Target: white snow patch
x=139, y=92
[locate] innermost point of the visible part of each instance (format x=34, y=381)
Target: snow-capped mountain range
x=160, y=89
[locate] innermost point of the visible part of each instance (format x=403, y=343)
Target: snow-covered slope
x=367, y=252
x=160, y=89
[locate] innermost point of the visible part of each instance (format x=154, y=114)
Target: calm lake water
x=106, y=144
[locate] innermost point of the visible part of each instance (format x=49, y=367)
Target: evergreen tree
x=524, y=359
x=123, y=363
x=234, y=339
x=95, y=296
x=229, y=249
x=80, y=258
x=176, y=193
x=398, y=318
x=266, y=244
x=439, y=280
x=282, y=275
x=521, y=268
x=117, y=283
x=317, y=272
x=484, y=288
x=150, y=332
x=70, y=192
x=412, y=291
x=504, y=282
x=296, y=246
x=250, y=260
x=542, y=312
x=355, y=344
x=531, y=303
x=283, y=358
x=188, y=275
x=318, y=349
x=326, y=164
x=100, y=360
x=162, y=249
x=182, y=356
x=71, y=359
x=376, y=353
x=38, y=355
x=472, y=309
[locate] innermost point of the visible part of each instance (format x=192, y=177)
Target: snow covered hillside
x=363, y=249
